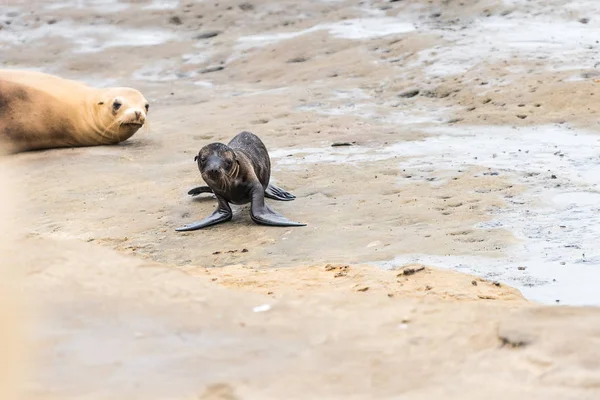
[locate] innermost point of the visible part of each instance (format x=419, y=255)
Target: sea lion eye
x=116, y=105
x=147, y=107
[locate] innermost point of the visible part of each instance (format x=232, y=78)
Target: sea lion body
x=42, y=111
x=239, y=173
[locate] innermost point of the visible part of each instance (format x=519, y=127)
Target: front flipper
x=221, y=214
x=277, y=193
x=200, y=189
x=262, y=214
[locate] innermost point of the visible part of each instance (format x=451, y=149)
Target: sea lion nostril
x=138, y=114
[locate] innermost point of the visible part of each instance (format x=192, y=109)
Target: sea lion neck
x=97, y=119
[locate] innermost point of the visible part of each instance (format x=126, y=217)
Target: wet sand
x=473, y=153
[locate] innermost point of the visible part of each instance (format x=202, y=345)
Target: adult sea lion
x=239, y=173
x=42, y=111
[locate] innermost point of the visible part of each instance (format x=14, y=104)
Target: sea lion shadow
x=204, y=197
x=140, y=143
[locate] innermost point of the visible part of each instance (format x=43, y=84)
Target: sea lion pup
x=239, y=173
x=42, y=111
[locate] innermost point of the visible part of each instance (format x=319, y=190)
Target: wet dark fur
x=239, y=173
x=253, y=162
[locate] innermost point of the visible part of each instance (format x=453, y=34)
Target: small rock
x=244, y=250
x=296, y=60
x=522, y=116
x=207, y=35
x=175, y=20
x=497, y=284
x=340, y=144
x=411, y=271
x=212, y=69
x=474, y=283
x=584, y=20
x=364, y=289
x=246, y=7
x=409, y=93
x=553, y=176
x=521, y=268
x=52, y=21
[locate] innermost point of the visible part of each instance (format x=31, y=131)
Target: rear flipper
x=221, y=214
x=277, y=193
x=262, y=214
x=200, y=189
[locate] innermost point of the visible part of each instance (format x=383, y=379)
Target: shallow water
x=556, y=219
x=361, y=28
x=88, y=39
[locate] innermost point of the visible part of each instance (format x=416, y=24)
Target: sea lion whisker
x=108, y=130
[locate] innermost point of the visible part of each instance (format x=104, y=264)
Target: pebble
x=207, y=35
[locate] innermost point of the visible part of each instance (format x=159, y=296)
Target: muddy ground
x=474, y=136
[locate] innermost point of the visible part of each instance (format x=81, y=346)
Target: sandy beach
x=451, y=246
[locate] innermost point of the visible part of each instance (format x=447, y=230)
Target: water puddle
x=563, y=44
x=355, y=29
x=162, y=5
x=97, y=6
x=557, y=218
x=87, y=39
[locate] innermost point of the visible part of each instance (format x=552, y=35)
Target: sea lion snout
x=214, y=166
x=134, y=117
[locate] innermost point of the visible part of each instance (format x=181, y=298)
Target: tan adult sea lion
x=43, y=111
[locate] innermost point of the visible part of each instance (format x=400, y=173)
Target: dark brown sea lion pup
x=239, y=173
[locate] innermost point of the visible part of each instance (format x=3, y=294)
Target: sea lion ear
x=101, y=103
x=196, y=158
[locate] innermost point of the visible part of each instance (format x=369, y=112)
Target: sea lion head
x=122, y=112
x=218, y=164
